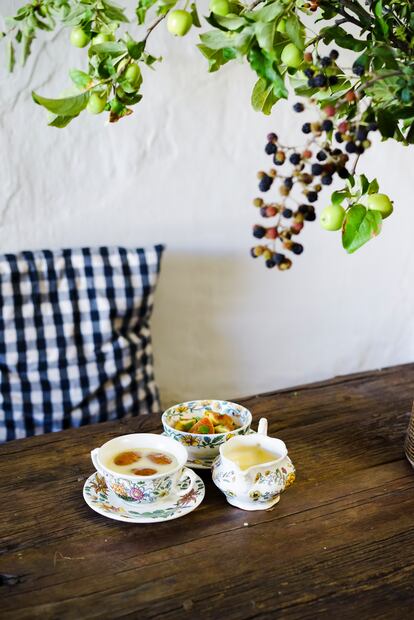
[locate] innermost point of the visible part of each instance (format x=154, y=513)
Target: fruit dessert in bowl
x=203, y=425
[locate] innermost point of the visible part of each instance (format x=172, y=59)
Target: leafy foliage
x=379, y=88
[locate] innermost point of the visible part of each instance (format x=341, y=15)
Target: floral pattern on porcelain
x=140, y=491
x=99, y=495
x=208, y=442
x=258, y=485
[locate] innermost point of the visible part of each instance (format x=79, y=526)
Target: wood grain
x=340, y=544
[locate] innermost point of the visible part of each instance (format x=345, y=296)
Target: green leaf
x=387, y=123
x=11, y=57
x=373, y=187
x=230, y=22
x=114, y=12
x=194, y=16
x=364, y=183
x=294, y=30
x=269, y=12
x=342, y=38
x=110, y=48
x=360, y=226
x=135, y=48
x=61, y=121
x=338, y=197
x=217, y=58
x=263, y=97
x=80, y=78
x=68, y=106
x=217, y=39
x=265, y=34
x=378, y=11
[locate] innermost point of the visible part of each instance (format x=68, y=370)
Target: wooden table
x=339, y=545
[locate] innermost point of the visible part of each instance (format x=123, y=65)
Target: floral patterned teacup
x=205, y=446
x=259, y=486
x=143, y=489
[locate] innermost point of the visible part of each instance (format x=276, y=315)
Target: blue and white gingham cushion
x=75, y=343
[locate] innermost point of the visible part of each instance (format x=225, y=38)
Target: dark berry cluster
x=321, y=72
x=355, y=135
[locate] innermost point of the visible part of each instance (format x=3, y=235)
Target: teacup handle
x=94, y=457
x=188, y=473
x=262, y=428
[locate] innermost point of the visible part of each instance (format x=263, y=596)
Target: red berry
x=271, y=211
x=307, y=154
x=343, y=127
x=307, y=57
x=296, y=227
x=271, y=233
x=329, y=110
x=350, y=96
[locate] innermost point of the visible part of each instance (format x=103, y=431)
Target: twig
x=154, y=25
x=355, y=164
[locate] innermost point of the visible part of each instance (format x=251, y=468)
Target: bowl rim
x=203, y=400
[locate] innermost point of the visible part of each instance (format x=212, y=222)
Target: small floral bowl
x=142, y=489
x=200, y=445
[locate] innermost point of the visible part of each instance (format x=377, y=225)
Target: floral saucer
x=206, y=462
x=104, y=501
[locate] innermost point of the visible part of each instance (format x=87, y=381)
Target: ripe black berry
x=270, y=263
x=311, y=216
x=334, y=54
x=303, y=209
x=326, y=179
x=311, y=82
x=297, y=248
x=360, y=149
x=271, y=137
x=309, y=72
x=306, y=128
x=327, y=125
x=319, y=80
x=298, y=107
x=316, y=169
x=332, y=80
x=253, y=253
x=263, y=211
x=312, y=196
x=325, y=61
x=361, y=133
x=294, y=159
x=358, y=69
x=372, y=127
x=287, y=213
x=270, y=148
x=338, y=136
x=278, y=258
x=288, y=182
x=350, y=147
x=259, y=231
x=321, y=156
x=265, y=183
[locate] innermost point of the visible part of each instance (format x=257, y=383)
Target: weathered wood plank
x=341, y=541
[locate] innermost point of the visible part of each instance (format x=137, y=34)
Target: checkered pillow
x=75, y=343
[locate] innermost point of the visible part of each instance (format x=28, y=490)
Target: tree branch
x=154, y=25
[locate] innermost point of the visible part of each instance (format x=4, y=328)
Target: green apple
x=79, y=38
x=381, y=203
x=179, y=22
x=281, y=26
x=332, y=217
x=291, y=56
x=102, y=37
x=96, y=103
x=220, y=7
x=133, y=74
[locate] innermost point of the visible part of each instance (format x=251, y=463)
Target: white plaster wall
x=182, y=170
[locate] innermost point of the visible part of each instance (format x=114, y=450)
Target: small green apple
x=133, y=74
x=179, y=22
x=96, y=103
x=220, y=7
x=79, y=38
x=332, y=217
x=291, y=56
x=381, y=203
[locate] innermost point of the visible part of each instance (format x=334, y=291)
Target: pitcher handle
x=262, y=428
